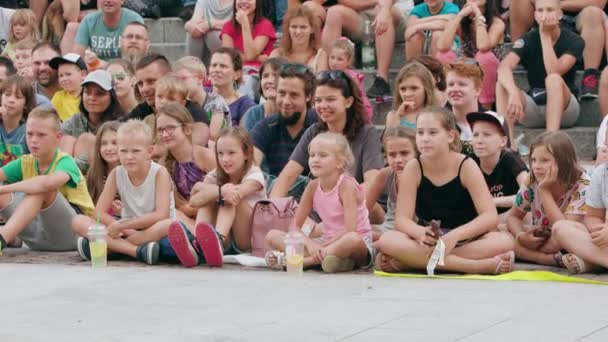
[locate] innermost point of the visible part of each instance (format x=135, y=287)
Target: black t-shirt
x=503, y=179
x=529, y=50
x=144, y=109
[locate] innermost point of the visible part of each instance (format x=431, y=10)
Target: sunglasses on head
x=335, y=75
x=296, y=68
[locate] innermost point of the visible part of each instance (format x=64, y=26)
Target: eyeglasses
x=295, y=68
x=119, y=76
x=336, y=75
x=170, y=129
x=131, y=36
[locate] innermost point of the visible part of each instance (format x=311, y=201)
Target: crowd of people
x=172, y=156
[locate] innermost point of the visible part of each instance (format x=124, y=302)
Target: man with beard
x=134, y=42
x=275, y=137
x=46, y=83
x=147, y=72
x=101, y=31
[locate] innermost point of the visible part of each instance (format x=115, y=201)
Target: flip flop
x=501, y=261
x=577, y=265
x=276, y=260
x=210, y=242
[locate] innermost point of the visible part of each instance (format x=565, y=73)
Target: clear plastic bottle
x=98, y=246
x=294, y=252
x=368, y=51
x=521, y=148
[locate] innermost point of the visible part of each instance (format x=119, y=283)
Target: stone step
x=173, y=51
x=166, y=30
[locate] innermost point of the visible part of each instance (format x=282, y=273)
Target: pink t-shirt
x=331, y=211
x=263, y=28
x=358, y=78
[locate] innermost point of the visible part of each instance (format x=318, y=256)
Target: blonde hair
x=133, y=127
x=171, y=84
x=44, y=113
x=345, y=45
x=26, y=44
x=27, y=18
x=447, y=122
x=340, y=147
x=418, y=70
x=191, y=64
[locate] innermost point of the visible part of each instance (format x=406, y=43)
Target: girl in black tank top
x=451, y=203
x=461, y=201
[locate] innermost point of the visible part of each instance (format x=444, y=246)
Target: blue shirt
x=422, y=10
x=12, y=144
x=239, y=107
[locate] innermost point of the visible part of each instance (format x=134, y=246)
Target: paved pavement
x=59, y=298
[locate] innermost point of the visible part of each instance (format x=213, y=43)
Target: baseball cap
x=100, y=77
x=489, y=116
x=70, y=58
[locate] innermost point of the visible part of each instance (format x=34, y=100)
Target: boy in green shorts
x=45, y=189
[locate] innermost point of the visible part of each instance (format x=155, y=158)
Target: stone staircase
x=168, y=37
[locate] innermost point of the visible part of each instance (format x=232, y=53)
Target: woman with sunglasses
x=339, y=108
x=123, y=76
x=481, y=30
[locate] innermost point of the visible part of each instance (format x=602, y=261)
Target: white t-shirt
x=254, y=174
x=601, y=133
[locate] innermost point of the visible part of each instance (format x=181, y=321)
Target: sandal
x=575, y=264
x=501, y=261
x=276, y=260
x=559, y=259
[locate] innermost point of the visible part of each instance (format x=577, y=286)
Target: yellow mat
x=513, y=276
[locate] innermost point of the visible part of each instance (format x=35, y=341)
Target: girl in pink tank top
x=340, y=202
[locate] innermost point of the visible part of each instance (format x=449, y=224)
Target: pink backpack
x=276, y=213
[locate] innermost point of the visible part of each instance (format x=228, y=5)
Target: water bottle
x=294, y=252
x=368, y=51
x=521, y=148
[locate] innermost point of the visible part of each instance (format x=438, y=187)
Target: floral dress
x=571, y=203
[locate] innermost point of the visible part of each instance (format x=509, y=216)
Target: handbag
x=276, y=213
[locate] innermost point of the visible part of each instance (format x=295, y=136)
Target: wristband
x=220, y=199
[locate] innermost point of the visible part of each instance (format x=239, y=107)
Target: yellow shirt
x=75, y=190
x=66, y=104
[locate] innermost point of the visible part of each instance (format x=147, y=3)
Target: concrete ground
x=57, y=297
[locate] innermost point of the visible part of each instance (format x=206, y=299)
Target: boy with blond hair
x=23, y=57
x=71, y=71
x=44, y=190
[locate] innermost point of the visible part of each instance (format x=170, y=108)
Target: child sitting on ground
x=399, y=149
x=71, y=71
x=193, y=73
x=556, y=191
x=462, y=204
x=44, y=189
x=145, y=192
x=226, y=197
x=339, y=200
x=23, y=57
x=504, y=171
x=18, y=99
x=342, y=57
x=104, y=160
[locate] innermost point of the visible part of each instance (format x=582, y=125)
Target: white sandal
x=276, y=260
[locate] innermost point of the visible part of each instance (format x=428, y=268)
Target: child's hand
x=550, y=178
x=426, y=237
x=382, y=21
x=600, y=237
x=230, y=194
x=114, y=230
x=405, y=107
x=117, y=206
x=530, y=241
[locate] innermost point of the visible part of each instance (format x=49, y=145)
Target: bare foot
x=387, y=263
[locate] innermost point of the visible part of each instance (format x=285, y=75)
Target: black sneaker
x=148, y=253
x=380, y=88
x=589, y=84
x=83, y=248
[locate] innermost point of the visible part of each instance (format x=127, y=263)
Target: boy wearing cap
x=503, y=170
x=43, y=190
x=71, y=70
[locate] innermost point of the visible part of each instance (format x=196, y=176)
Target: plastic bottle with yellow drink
x=294, y=252
x=98, y=246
